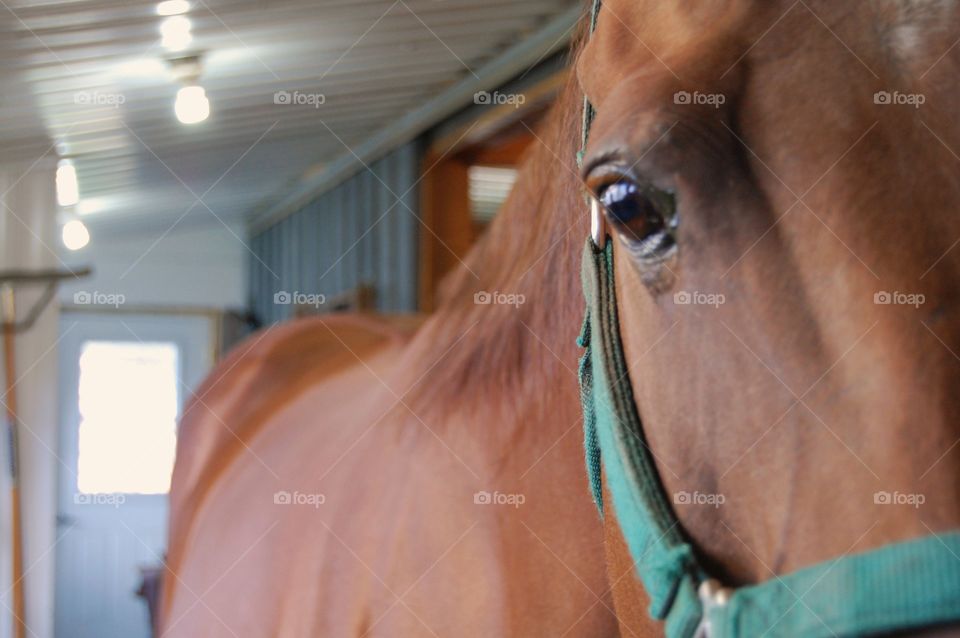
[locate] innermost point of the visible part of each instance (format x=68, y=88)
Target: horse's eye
x=643, y=217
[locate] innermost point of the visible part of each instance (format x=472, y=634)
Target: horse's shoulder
x=262, y=375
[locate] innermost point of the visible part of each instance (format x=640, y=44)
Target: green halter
x=898, y=587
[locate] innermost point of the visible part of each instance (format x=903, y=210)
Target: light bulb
x=192, y=105
x=75, y=235
x=173, y=7
x=175, y=31
x=68, y=191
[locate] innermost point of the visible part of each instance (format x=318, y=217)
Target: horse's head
x=780, y=180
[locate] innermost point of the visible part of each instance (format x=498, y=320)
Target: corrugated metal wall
x=364, y=231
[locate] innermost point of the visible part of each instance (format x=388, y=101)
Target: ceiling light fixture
x=175, y=33
x=75, y=234
x=192, y=105
x=68, y=190
x=173, y=7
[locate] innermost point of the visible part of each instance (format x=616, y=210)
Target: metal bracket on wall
x=49, y=279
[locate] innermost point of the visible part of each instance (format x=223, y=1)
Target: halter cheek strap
x=614, y=441
x=901, y=586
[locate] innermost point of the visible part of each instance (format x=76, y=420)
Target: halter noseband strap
x=900, y=586
x=897, y=587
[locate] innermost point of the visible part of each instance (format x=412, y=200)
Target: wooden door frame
x=498, y=136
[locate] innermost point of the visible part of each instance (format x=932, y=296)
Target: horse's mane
x=512, y=355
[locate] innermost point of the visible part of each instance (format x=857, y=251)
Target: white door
x=124, y=379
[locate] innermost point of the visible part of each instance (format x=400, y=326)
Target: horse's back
x=303, y=375
x=262, y=374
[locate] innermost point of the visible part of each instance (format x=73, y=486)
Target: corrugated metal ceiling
x=88, y=80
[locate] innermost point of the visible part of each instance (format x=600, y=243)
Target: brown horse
x=789, y=310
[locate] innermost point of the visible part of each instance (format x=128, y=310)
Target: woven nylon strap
x=614, y=439
x=897, y=587
x=587, y=107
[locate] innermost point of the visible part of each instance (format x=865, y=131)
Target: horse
x=776, y=184
x=367, y=476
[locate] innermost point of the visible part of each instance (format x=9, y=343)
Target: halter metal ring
x=598, y=225
x=712, y=596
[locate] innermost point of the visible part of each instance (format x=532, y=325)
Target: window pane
x=128, y=416
x=489, y=187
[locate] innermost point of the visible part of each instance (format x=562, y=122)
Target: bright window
x=489, y=187
x=128, y=416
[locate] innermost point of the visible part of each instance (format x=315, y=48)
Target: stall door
x=124, y=379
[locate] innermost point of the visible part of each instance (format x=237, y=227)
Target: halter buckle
x=598, y=225
x=712, y=596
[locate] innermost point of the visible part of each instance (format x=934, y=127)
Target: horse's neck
x=515, y=357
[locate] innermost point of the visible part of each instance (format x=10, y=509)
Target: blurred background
x=218, y=166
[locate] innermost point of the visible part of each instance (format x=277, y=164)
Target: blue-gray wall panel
x=364, y=231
